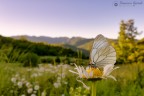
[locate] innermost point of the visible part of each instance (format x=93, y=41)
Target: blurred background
x=39, y=41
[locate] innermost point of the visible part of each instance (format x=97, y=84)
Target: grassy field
x=49, y=80
x=64, y=59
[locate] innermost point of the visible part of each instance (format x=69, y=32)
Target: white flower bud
x=20, y=84
x=28, y=85
x=36, y=87
x=56, y=85
x=13, y=80
x=30, y=90
x=33, y=95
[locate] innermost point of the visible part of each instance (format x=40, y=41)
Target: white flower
x=34, y=75
x=43, y=93
x=23, y=95
x=33, y=95
x=57, y=84
x=17, y=75
x=28, y=85
x=20, y=84
x=36, y=87
x=30, y=90
x=65, y=82
x=94, y=73
x=13, y=80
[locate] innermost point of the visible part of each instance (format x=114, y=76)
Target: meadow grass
x=58, y=81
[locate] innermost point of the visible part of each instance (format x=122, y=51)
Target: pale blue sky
x=85, y=18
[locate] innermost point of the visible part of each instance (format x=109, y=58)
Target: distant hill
x=87, y=45
x=48, y=40
x=40, y=48
x=75, y=43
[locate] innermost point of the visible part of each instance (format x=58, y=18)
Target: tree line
x=12, y=50
x=128, y=48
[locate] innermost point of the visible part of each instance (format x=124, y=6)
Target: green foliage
x=122, y=36
x=79, y=91
x=57, y=60
x=5, y=51
x=141, y=42
x=127, y=48
x=38, y=48
x=26, y=52
x=63, y=60
x=3, y=57
x=29, y=59
x=46, y=60
x=67, y=60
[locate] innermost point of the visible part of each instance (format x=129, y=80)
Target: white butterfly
x=102, y=52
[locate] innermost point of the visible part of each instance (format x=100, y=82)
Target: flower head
x=20, y=84
x=30, y=90
x=57, y=84
x=33, y=95
x=36, y=87
x=14, y=79
x=94, y=73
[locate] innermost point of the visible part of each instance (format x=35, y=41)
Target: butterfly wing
x=102, y=52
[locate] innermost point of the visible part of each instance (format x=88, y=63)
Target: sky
x=68, y=18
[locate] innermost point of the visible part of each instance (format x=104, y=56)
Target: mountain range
x=75, y=43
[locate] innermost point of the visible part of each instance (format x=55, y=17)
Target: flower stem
x=93, y=88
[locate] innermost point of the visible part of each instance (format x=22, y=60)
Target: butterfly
x=102, y=53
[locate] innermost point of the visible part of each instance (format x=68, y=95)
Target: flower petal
x=85, y=73
x=73, y=72
x=91, y=74
x=79, y=70
x=83, y=84
x=110, y=76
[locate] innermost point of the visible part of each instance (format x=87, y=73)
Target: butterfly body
x=102, y=52
x=92, y=65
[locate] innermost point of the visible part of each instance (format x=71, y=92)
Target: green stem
x=93, y=88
